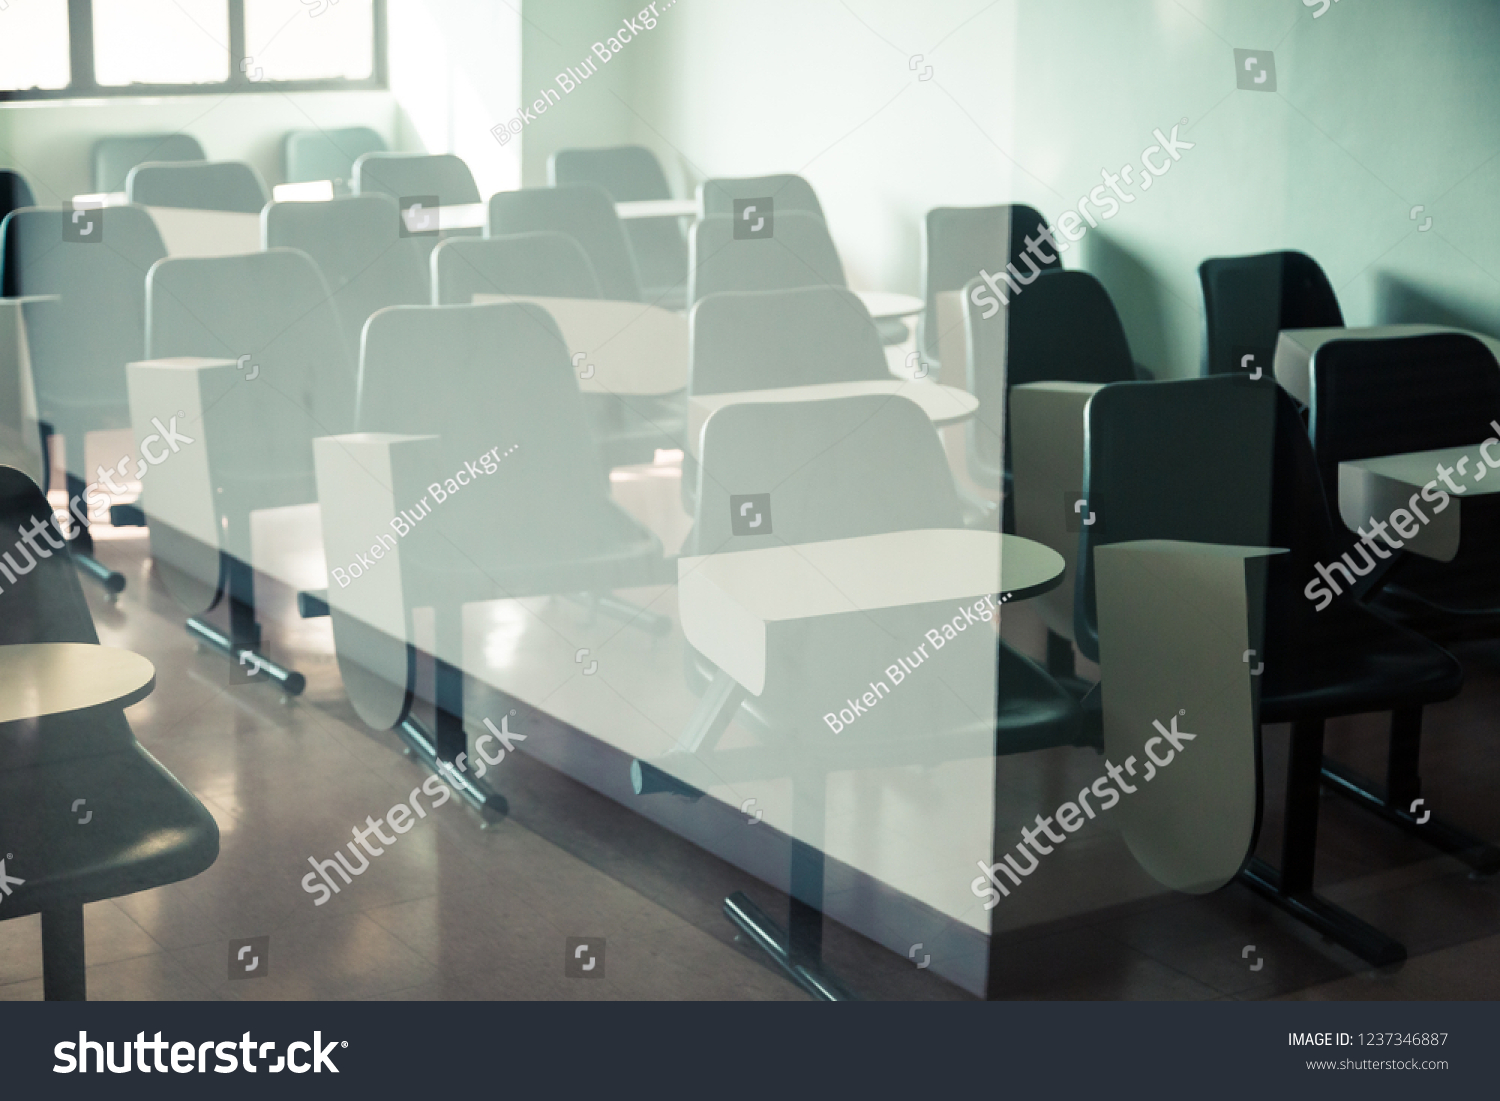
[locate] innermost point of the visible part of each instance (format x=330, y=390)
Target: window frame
x=83, y=85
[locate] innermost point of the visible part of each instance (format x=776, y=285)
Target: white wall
x=1381, y=105
x=558, y=34
x=455, y=73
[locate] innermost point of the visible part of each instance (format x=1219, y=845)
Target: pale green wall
x=1381, y=105
x=557, y=34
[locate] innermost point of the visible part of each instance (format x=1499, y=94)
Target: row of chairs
x=368, y=265
x=1425, y=672
x=306, y=155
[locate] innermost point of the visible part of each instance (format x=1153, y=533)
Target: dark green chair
x=146, y=829
x=1226, y=460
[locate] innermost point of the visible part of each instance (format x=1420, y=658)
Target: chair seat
x=145, y=829
x=1469, y=614
x=1363, y=663
x=1466, y=588
x=628, y=555
x=1034, y=713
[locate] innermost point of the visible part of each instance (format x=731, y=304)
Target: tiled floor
x=453, y=911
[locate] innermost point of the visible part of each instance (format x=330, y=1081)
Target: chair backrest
x=959, y=241
x=799, y=254
x=762, y=340
x=218, y=185
x=79, y=361
x=356, y=243
x=627, y=172
x=835, y=469
x=273, y=307
x=786, y=192
x=327, y=154
x=114, y=157
x=630, y=173
x=15, y=192
x=1188, y=460
x=1061, y=328
x=1389, y=397
x=403, y=175
x=542, y=265
x=503, y=378
x=1248, y=300
x=45, y=603
x=584, y=212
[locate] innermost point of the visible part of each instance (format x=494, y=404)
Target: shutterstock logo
x=7, y=881
x=754, y=219
x=188, y=1058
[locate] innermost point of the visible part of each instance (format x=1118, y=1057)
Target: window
x=285, y=44
x=33, y=45
x=161, y=42
x=56, y=49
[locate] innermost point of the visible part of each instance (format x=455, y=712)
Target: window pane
x=34, y=44
x=161, y=41
x=310, y=39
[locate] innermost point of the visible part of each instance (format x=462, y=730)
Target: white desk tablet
x=1378, y=488
x=727, y=600
x=1175, y=644
x=474, y=215
x=658, y=208
x=1295, y=348
x=188, y=232
x=51, y=678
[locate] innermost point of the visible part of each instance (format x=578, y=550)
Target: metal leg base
x=1334, y=922
x=1061, y=667
x=313, y=604
x=64, y=978
x=771, y=939
x=95, y=570
x=291, y=683
x=647, y=779
x=1483, y=857
x=421, y=744
x=127, y=516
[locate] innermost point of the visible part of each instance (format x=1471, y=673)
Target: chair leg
x=1299, y=841
x=440, y=749
x=243, y=640
x=81, y=545
x=1292, y=887
x=1399, y=805
x=799, y=949
x=64, y=977
x=1060, y=664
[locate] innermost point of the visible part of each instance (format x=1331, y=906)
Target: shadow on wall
x=1398, y=302
x=1139, y=299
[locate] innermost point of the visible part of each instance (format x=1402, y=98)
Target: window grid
x=84, y=85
